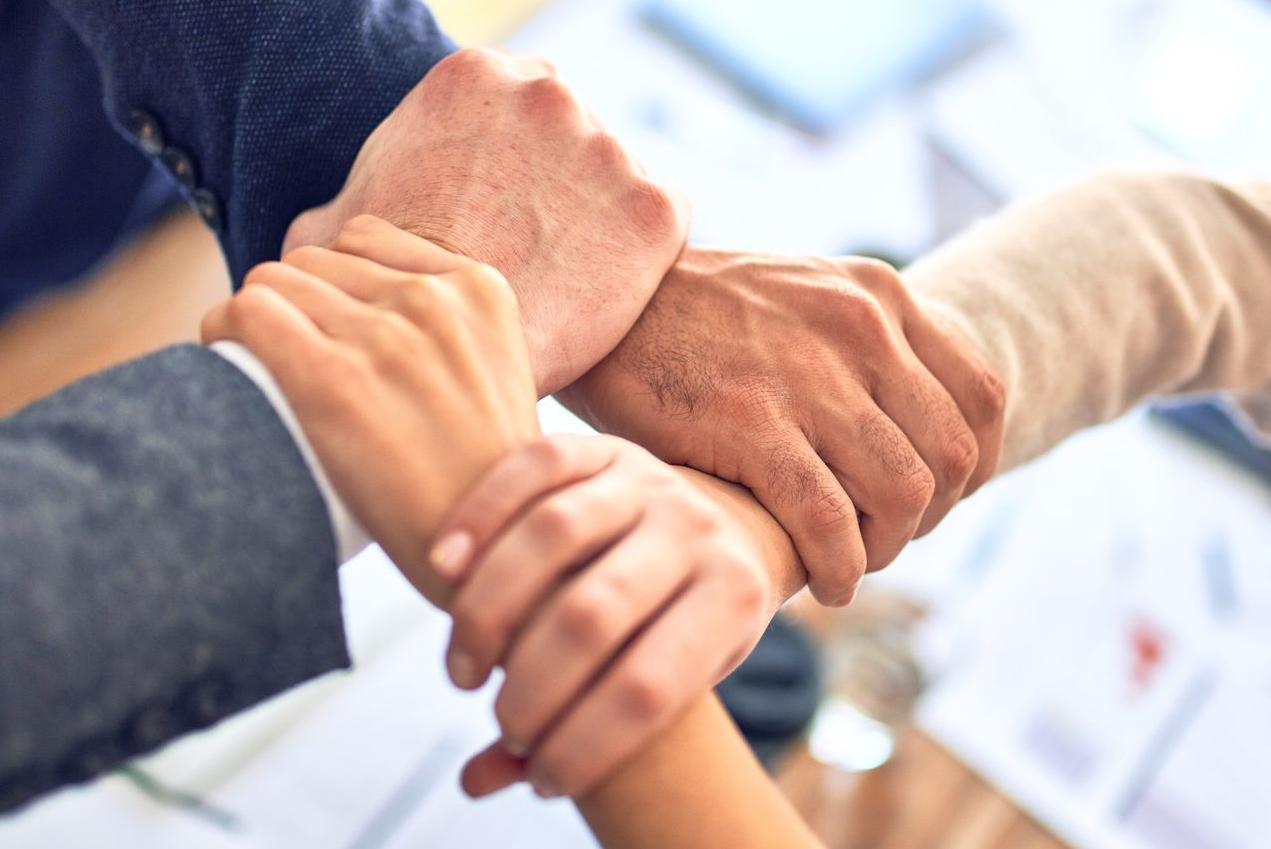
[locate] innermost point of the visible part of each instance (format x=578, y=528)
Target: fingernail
x=450, y=555
x=515, y=749
x=463, y=670
x=545, y=788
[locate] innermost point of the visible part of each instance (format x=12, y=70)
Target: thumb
x=316, y=226
x=491, y=771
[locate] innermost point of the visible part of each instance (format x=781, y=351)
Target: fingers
x=887, y=479
x=360, y=278
x=334, y=312
x=491, y=770
x=559, y=532
x=572, y=640
x=927, y=414
x=970, y=381
x=508, y=488
x=639, y=696
x=375, y=239
x=794, y=484
x=281, y=336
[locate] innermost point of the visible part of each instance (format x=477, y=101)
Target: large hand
x=612, y=590
x=492, y=157
x=820, y=385
x=406, y=367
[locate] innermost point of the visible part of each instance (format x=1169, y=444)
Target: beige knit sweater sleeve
x=1120, y=288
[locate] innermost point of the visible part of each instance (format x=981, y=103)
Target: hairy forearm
x=1087, y=302
x=697, y=787
x=1108, y=292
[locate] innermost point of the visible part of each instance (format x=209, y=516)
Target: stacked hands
x=612, y=588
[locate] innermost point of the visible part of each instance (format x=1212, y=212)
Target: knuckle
x=842, y=593
x=644, y=695
x=831, y=511
x=584, y=616
x=468, y=59
x=960, y=457
x=305, y=255
x=876, y=275
x=557, y=521
x=548, y=96
x=700, y=515
x=360, y=226
x=391, y=344
x=247, y=306
x=490, y=288
x=416, y=297
x=551, y=455
x=511, y=719
x=260, y=275
x=990, y=394
x=554, y=765
x=748, y=587
x=862, y=311
x=607, y=152
x=476, y=627
x=652, y=212
x=914, y=492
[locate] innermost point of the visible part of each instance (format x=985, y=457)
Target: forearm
x=721, y=795
x=1101, y=295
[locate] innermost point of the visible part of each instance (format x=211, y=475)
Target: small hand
x=819, y=384
x=612, y=591
x=406, y=367
x=494, y=158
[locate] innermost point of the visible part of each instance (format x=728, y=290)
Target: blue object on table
x=1210, y=423
x=775, y=692
x=819, y=62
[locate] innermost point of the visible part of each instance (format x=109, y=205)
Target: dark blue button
x=144, y=127
x=209, y=209
x=180, y=166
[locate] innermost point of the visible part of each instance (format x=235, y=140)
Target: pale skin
x=696, y=786
x=819, y=384
x=609, y=587
x=520, y=175
x=494, y=158
x=358, y=333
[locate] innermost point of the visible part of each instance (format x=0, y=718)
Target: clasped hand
x=611, y=590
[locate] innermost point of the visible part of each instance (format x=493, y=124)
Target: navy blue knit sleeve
x=257, y=107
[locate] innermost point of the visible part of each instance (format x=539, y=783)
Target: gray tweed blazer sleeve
x=165, y=561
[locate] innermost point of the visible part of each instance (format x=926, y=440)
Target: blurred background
x=1079, y=657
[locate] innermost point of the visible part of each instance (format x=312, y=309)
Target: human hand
x=821, y=385
x=406, y=367
x=612, y=591
x=494, y=158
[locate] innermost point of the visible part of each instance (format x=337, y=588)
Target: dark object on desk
x=819, y=63
x=775, y=692
x=1210, y=423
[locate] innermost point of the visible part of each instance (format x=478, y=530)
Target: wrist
x=786, y=575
